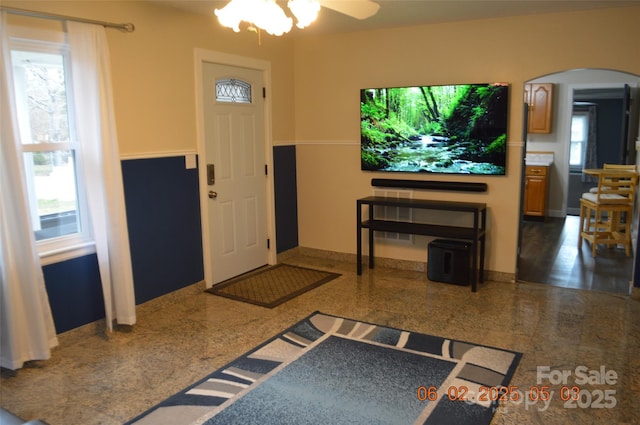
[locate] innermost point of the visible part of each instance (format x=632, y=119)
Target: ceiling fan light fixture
x=231, y=15
x=305, y=11
x=270, y=17
x=264, y=14
x=267, y=15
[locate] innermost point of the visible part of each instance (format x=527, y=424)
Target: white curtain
x=101, y=168
x=26, y=325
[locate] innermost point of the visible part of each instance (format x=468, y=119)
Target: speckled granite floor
x=97, y=379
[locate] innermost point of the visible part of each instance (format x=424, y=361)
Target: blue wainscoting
x=286, y=200
x=75, y=292
x=163, y=214
x=165, y=236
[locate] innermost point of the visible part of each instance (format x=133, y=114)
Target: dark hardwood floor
x=549, y=254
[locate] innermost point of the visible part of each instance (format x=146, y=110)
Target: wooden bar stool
x=601, y=212
x=617, y=167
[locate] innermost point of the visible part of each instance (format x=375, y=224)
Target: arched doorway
x=548, y=251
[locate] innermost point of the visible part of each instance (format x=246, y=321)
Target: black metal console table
x=475, y=235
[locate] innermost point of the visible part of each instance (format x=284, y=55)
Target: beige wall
x=153, y=70
x=330, y=71
x=316, y=82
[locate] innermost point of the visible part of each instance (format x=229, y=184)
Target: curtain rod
x=129, y=27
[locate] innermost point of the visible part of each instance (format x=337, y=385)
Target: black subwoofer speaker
x=449, y=261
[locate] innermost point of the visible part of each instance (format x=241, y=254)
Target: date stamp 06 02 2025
x=540, y=395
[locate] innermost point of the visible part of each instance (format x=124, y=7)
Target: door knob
x=212, y=194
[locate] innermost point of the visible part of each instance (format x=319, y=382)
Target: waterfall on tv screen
x=455, y=129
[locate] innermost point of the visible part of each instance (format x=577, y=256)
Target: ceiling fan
x=271, y=17
x=359, y=9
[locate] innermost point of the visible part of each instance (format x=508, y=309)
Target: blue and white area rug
x=332, y=370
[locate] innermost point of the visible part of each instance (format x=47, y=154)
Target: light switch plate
x=190, y=161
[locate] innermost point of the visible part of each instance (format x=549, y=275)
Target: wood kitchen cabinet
x=539, y=96
x=536, y=189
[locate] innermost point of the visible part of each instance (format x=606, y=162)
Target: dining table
x=599, y=171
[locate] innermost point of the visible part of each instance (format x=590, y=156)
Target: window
x=234, y=91
x=44, y=101
x=579, y=137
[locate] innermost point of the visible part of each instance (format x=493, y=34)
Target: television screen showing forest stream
x=456, y=129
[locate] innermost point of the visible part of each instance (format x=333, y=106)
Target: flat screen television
x=452, y=129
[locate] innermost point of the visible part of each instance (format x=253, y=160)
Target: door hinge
x=266, y=169
x=264, y=92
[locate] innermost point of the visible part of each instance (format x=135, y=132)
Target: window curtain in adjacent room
x=590, y=156
x=102, y=168
x=26, y=326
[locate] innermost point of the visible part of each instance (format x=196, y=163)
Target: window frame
x=65, y=247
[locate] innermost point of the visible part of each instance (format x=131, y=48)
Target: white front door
x=233, y=108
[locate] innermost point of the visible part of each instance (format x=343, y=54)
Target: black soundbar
x=431, y=185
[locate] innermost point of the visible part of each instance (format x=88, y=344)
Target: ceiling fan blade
x=359, y=9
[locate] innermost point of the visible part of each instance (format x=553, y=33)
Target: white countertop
x=539, y=159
